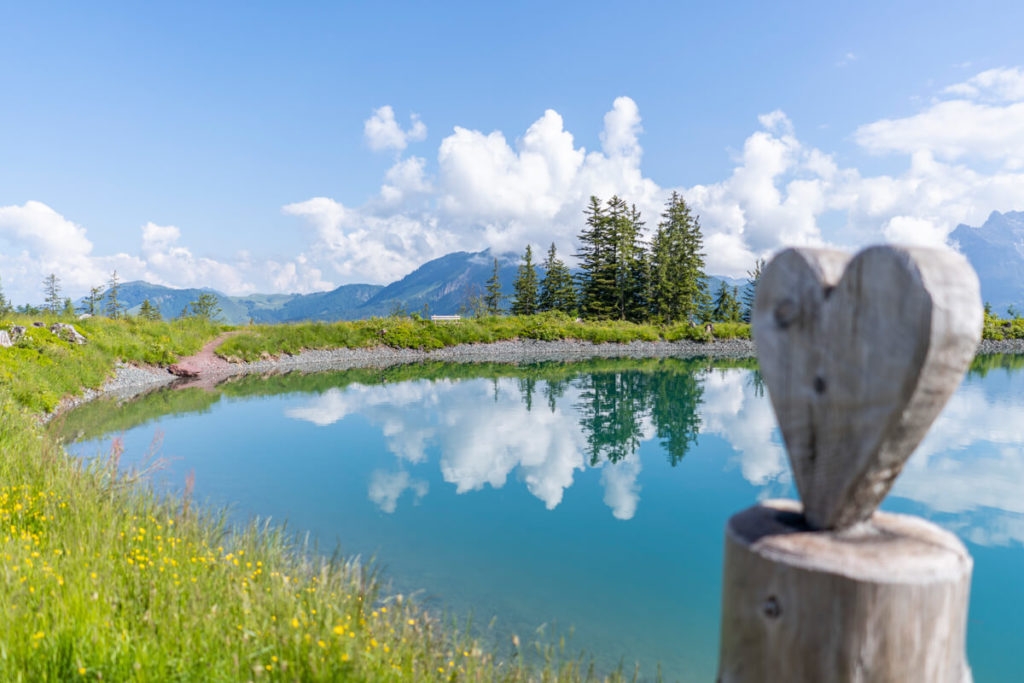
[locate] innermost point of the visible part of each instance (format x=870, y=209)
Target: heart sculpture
x=860, y=355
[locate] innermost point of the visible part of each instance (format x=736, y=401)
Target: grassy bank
x=415, y=333
x=102, y=579
x=41, y=368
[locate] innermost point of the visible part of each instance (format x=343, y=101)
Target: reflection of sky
x=733, y=411
x=969, y=471
x=484, y=432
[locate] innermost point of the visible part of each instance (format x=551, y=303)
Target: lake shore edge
x=131, y=380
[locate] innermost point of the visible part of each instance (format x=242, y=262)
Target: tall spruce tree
x=750, y=291
x=611, y=279
x=630, y=261
x=493, y=297
x=678, y=287
x=51, y=288
x=557, y=292
x=114, y=308
x=525, y=286
x=668, y=298
x=596, y=279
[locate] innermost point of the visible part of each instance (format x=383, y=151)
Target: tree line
x=106, y=302
x=623, y=277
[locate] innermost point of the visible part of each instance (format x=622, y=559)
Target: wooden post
x=859, y=356
x=884, y=601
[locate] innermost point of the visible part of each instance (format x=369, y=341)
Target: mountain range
x=442, y=286
x=445, y=285
x=996, y=250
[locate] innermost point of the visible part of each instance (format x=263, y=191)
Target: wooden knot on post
x=859, y=356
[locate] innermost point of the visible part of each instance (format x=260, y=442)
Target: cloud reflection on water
x=969, y=471
x=387, y=487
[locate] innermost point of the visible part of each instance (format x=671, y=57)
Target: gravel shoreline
x=130, y=380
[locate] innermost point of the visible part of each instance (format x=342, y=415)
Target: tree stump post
x=859, y=356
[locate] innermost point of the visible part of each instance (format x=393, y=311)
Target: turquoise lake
x=587, y=498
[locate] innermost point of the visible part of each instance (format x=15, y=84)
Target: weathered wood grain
x=884, y=601
x=859, y=356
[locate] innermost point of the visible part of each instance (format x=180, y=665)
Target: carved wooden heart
x=859, y=357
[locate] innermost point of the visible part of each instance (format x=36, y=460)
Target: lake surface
x=583, y=498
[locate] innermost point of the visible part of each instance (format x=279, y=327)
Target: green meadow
x=104, y=579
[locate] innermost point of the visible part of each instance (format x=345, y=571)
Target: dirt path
x=205, y=362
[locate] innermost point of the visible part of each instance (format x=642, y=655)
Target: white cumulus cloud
x=383, y=132
x=167, y=262
x=999, y=85
x=956, y=159
x=368, y=245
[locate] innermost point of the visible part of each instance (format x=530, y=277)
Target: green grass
x=103, y=579
x=997, y=328
x=42, y=368
x=261, y=341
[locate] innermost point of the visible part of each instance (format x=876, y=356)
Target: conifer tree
x=557, y=292
x=678, y=288
x=596, y=279
x=525, y=286
x=705, y=304
x=51, y=288
x=5, y=303
x=206, y=306
x=493, y=297
x=612, y=261
x=629, y=255
x=750, y=291
x=114, y=308
x=727, y=305
x=91, y=302
x=148, y=311
x=69, y=308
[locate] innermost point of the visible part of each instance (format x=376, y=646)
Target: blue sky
x=259, y=147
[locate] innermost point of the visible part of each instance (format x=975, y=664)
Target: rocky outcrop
x=68, y=333
x=5, y=339
x=180, y=371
